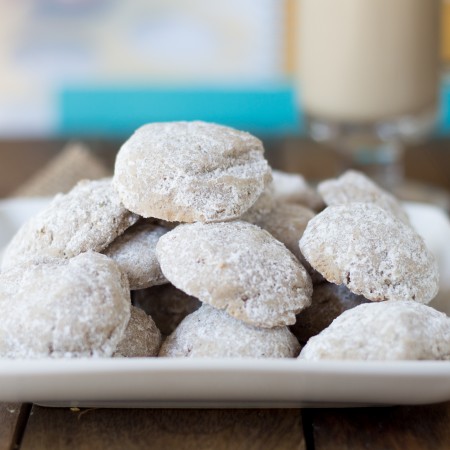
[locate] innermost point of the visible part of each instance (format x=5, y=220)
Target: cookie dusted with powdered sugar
x=354, y=186
x=286, y=222
x=211, y=333
x=89, y=217
x=167, y=305
x=141, y=338
x=370, y=251
x=67, y=308
x=190, y=171
x=328, y=302
x=384, y=331
x=262, y=206
x=238, y=267
x=134, y=252
x=293, y=188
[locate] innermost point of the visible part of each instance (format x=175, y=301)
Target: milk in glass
x=368, y=60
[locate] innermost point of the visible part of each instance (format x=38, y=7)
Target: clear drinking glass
x=369, y=78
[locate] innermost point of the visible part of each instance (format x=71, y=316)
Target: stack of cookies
x=197, y=248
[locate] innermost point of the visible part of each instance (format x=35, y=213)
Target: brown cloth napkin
x=74, y=163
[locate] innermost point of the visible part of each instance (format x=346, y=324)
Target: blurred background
x=104, y=67
x=94, y=70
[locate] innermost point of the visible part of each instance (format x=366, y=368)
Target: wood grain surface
x=64, y=428
x=405, y=428
x=13, y=417
x=402, y=428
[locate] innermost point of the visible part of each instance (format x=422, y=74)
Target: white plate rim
x=153, y=382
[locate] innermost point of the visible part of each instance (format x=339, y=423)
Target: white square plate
x=154, y=382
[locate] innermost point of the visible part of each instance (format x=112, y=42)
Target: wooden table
x=407, y=428
x=428, y=163
x=28, y=426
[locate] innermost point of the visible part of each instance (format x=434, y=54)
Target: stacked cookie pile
x=223, y=257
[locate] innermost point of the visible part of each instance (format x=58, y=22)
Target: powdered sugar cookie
x=67, y=308
x=190, y=171
x=166, y=304
x=293, y=188
x=286, y=222
x=89, y=217
x=212, y=333
x=370, y=251
x=328, y=302
x=262, y=206
x=354, y=186
x=134, y=252
x=237, y=267
x=384, y=331
x=141, y=338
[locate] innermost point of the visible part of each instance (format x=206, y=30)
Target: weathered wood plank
x=110, y=429
x=13, y=417
x=406, y=427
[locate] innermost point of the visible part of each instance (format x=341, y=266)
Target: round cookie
x=293, y=188
x=66, y=308
x=141, y=338
x=134, y=252
x=328, y=302
x=400, y=330
x=89, y=217
x=238, y=267
x=354, y=186
x=370, y=251
x=211, y=333
x=166, y=304
x=190, y=171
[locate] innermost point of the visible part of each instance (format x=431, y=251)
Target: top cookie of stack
x=190, y=172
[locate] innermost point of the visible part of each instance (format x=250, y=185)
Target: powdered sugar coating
x=167, y=305
x=141, y=338
x=190, y=171
x=134, y=252
x=293, y=188
x=400, y=330
x=212, y=333
x=286, y=222
x=328, y=302
x=354, y=186
x=89, y=217
x=238, y=267
x=262, y=206
x=68, y=308
x=370, y=251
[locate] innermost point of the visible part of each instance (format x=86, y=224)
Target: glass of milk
x=368, y=77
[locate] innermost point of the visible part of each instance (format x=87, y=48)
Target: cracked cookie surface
x=370, y=251
x=190, y=171
x=212, y=333
x=89, y=217
x=78, y=307
x=400, y=330
x=238, y=267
